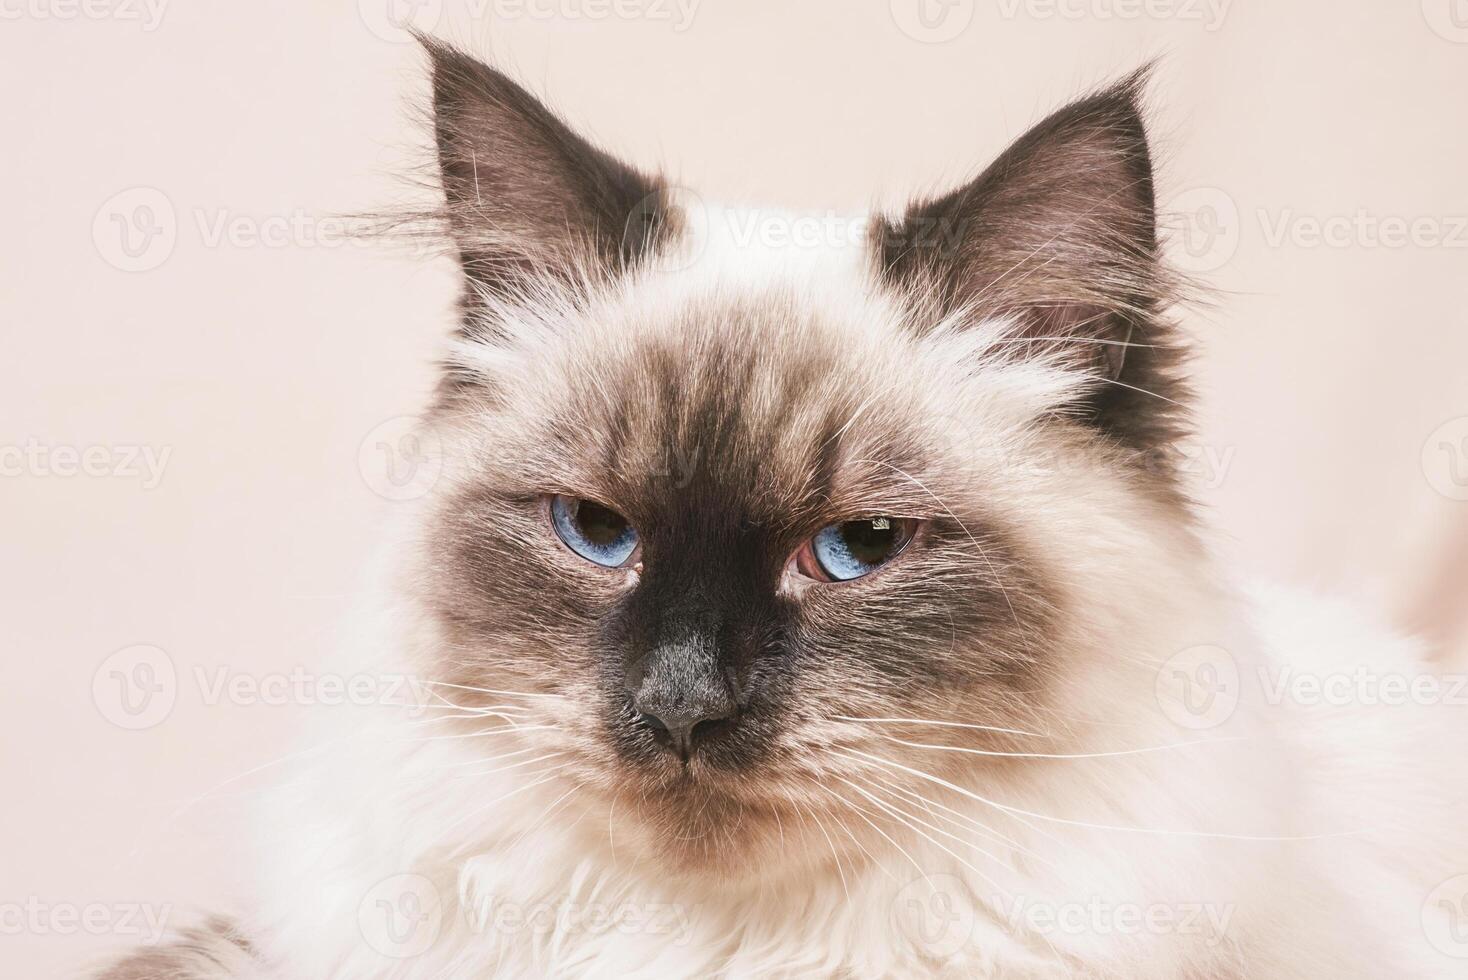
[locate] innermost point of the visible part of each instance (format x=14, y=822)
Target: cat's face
x=731, y=521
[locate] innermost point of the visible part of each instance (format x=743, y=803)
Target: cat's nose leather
x=681, y=696
x=682, y=732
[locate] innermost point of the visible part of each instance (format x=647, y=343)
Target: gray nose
x=681, y=696
x=682, y=733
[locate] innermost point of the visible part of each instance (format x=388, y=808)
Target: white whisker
x=960, y=819
x=900, y=849
x=904, y=817
x=1059, y=755
x=513, y=765
x=943, y=724
x=479, y=734
x=491, y=690
x=832, y=844
x=1096, y=826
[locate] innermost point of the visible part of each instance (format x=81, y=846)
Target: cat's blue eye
x=596, y=533
x=851, y=549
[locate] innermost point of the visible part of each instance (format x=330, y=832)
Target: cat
x=834, y=611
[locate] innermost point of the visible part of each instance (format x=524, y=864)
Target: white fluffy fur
x=1315, y=835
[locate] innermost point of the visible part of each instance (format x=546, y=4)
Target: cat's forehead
x=765, y=376
x=761, y=398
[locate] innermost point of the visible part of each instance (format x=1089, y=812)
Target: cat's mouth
x=702, y=822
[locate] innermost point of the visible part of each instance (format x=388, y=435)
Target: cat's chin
x=701, y=824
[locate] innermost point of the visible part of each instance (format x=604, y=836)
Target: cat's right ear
x=528, y=202
x=1058, y=238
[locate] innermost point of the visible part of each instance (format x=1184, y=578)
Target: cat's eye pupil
x=601, y=525
x=869, y=541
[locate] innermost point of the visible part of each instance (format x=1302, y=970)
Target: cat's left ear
x=528, y=202
x=1058, y=236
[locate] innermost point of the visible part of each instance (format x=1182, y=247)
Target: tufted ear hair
x=1059, y=235
x=528, y=202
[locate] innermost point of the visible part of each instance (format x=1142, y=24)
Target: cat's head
x=741, y=523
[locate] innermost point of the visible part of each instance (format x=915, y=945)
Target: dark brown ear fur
x=527, y=200
x=1060, y=232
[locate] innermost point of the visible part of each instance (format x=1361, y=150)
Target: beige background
x=262, y=364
